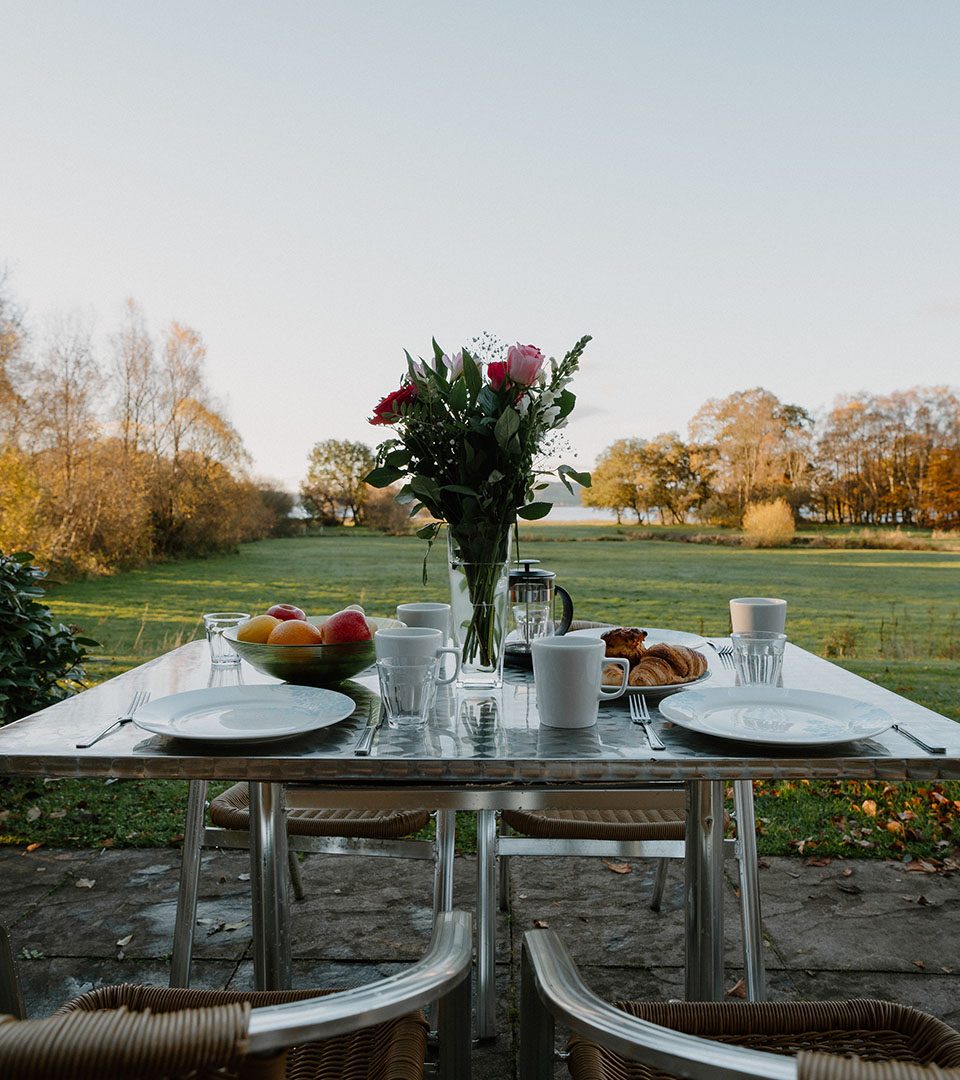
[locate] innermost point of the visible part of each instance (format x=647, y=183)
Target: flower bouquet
x=472, y=439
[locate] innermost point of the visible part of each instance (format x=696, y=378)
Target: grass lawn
x=891, y=616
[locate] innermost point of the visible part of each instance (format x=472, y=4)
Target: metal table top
x=499, y=743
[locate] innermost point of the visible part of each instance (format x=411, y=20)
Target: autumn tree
x=760, y=447
x=617, y=481
x=334, y=488
x=13, y=367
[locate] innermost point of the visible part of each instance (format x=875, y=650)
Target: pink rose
x=496, y=373
x=523, y=364
x=393, y=406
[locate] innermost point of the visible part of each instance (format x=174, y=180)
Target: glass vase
x=478, y=602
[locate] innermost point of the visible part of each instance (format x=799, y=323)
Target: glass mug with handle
x=416, y=641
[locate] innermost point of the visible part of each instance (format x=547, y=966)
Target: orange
x=295, y=632
x=257, y=629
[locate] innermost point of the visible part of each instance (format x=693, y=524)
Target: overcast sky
x=723, y=194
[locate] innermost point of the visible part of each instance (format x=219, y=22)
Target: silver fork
x=640, y=714
x=724, y=652
x=140, y=698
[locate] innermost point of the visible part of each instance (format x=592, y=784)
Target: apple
x=286, y=611
x=345, y=626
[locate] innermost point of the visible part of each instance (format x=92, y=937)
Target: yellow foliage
x=769, y=524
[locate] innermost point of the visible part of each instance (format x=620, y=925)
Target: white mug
x=566, y=671
x=433, y=615
x=411, y=641
x=749, y=613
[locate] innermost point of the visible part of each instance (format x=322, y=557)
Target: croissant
x=660, y=665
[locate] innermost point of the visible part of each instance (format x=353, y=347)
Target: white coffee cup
x=412, y=641
x=428, y=614
x=749, y=613
x=567, y=672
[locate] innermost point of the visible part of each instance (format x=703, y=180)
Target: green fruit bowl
x=311, y=665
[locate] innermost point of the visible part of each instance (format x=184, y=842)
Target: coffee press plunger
x=532, y=593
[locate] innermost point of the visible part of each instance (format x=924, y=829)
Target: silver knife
x=374, y=720
x=916, y=739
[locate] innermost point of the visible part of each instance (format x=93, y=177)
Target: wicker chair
x=375, y=1032
x=655, y=830
x=332, y=832
x=833, y=1040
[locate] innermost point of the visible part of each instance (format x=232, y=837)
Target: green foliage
x=40, y=659
x=468, y=445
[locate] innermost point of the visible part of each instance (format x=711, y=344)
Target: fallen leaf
x=817, y=860
x=125, y=940
x=31, y=847
x=33, y=813
x=618, y=867
x=738, y=990
x=919, y=964
x=923, y=901
x=57, y=813
x=541, y=924
x=921, y=866
x=869, y=807
x=847, y=872
x=235, y=925
x=85, y=883
x=947, y=971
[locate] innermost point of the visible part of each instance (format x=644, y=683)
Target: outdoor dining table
x=479, y=752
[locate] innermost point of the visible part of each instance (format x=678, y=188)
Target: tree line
x=871, y=459
x=119, y=454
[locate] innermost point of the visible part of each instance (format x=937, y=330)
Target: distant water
x=582, y=515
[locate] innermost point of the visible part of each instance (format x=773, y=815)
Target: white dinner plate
x=775, y=715
x=656, y=635
x=244, y=713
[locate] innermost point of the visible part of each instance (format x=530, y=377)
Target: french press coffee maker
x=533, y=591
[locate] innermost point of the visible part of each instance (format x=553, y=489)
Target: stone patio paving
x=844, y=929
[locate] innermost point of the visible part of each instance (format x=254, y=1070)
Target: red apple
x=286, y=611
x=345, y=626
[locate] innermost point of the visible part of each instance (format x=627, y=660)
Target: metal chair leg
x=503, y=882
x=296, y=878
x=486, y=923
x=443, y=861
x=656, y=897
x=755, y=975
x=186, y=917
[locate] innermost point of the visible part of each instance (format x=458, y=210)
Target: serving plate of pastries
x=661, y=661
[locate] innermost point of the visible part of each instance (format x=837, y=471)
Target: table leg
x=186, y=919
x=268, y=878
x=703, y=891
x=486, y=923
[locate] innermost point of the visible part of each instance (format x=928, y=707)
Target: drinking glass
x=408, y=686
x=758, y=657
x=222, y=653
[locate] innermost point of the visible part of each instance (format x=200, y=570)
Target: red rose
x=496, y=373
x=391, y=409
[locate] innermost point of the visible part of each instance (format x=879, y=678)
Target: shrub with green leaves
x=40, y=659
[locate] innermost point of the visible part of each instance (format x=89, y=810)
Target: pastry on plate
x=658, y=665
x=625, y=641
